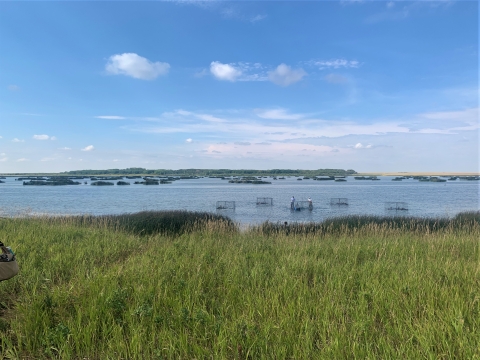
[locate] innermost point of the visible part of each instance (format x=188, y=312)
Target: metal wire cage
x=265, y=201
x=300, y=205
x=339, y=201
x=225, y=205
x=396, y=206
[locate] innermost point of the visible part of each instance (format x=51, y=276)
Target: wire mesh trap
x=339, y=201
x=265, y=201
x=225, y=205
x=396, y=206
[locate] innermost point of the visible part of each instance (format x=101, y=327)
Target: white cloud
x=277, y=125
x=16, y=140
x=189, y=140
x=13, y=87
x=278, y=114
x=188, y=114
x=239, y=71
x=110, y=117
x=268, y=152
x=1, y=137
x=284, y=75
x=22, y=159
x=225, y=72
x=64, y=148
x=360, y=146
x=470, y=116
x=53, y=138
x=131, y=64
x=116, y=160
x=41, y=137
x=88, y=148
x=3, y=154
x=335, y=63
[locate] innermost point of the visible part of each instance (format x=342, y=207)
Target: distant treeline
x=214, y=172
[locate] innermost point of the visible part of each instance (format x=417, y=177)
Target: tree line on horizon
x=213, y=172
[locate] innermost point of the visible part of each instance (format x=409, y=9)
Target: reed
x=170, y=223
x=91, y=289
x=353, y=223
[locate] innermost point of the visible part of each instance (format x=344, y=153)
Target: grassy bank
x=99, y=289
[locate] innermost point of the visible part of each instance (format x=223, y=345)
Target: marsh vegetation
x=189, y=285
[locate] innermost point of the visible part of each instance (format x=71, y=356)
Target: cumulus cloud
x=88, y=148
x=41, y=137
x=16, y=140
x=226, y=72
x=110, y=117
x=189, y=140
x=361, y=146
x=136, y=66
x=284, y=75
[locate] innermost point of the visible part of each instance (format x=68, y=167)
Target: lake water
x=364, y=197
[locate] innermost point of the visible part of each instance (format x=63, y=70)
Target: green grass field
x=104, y=288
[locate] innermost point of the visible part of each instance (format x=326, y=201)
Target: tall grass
x=352, y=223
x=171, y=223
x=90, y=290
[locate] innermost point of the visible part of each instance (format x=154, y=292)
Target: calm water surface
x=364, y=197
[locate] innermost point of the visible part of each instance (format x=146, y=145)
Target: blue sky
x=370, y=86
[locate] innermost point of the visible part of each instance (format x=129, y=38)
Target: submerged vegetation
x=102, y=183
x=180, y=285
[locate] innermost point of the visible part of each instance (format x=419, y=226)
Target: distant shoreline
x=425, y=173
x=300, y=173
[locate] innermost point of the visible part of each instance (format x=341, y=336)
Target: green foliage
x=89, y=289
x=353, y=223
x=214, y=172
x=166, y=222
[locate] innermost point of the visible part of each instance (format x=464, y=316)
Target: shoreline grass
x=99, y=289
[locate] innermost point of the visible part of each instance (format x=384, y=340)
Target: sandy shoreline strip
x=407, y=173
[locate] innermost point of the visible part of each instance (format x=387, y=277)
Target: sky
x=373, y=86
